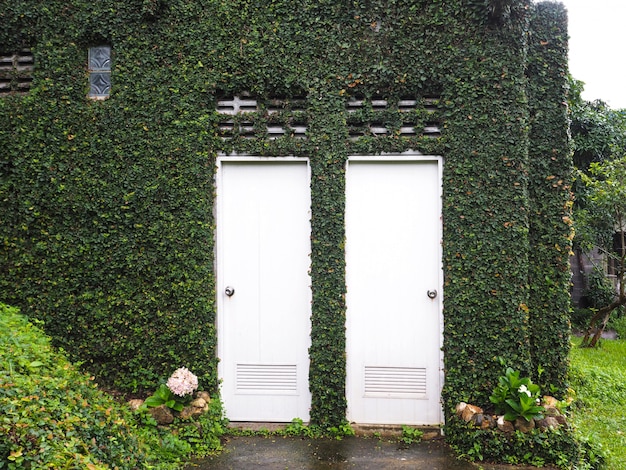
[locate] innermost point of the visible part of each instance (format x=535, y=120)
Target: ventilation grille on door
x=395, y=381
x=267, y=378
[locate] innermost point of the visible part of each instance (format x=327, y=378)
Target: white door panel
x=393, y=232
x=263, y=255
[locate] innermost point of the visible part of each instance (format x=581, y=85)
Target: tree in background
x=598, y=132
x=601, y=223
x=599, y=144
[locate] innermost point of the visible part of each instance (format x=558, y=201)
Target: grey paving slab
x=286, y=453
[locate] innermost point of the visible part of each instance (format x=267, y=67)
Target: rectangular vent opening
x=16, y=72
x=246, y=130
x=408, y=131
x=279, y=378
x=378, y=105
x=432, y=129
x=275, y=131
x=395, y=381
x=407, y=105
x=275, y=105
x=298, y=131
x=236, y=104
x=377, y=129
x=354, y=104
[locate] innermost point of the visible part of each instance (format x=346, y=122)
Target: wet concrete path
x=287, y=453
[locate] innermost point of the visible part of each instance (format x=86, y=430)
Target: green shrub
x=618, y=324
x=600, y=290
x=556, y=447
x=516, y=397
x=580, y=318
x=411, y=435
x=54, y=416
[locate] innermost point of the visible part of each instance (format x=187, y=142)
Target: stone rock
x=162, y=415
x=477, y=419
x=200, y=403
x=194, y=409
x=469, y=411
x=190, y=412
x=504, y=425
x=135, y=404
x=524, y=426
x=562, y=420
x=551, y=410
x=483, y=421
x=549, y=422
x=204, y=395
x=549, y=401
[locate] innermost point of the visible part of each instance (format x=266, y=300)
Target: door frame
x=219, y=238
x=413, y=156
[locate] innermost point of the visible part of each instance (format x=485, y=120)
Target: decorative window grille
x=367, y=117
x=243, y=116
x=99, y=72
x=248, y=118
x=16, y=72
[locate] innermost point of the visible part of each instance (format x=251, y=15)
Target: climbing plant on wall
x=107, y=206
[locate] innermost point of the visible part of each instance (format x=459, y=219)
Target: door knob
x=431, y=294
x=229, y=291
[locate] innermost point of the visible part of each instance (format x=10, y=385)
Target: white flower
x=182, y=382
x=524, y=389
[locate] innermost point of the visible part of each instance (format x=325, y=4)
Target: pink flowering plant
x=173, y=394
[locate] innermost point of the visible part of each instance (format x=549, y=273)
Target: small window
x=99, y=72
x=16, y=72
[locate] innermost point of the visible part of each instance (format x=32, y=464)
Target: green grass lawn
x=598, y=377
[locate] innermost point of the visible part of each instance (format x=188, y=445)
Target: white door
x=393, y=276
x=264, y=298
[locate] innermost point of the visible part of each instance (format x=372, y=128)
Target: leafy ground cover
x=598, y=378
x=54, y=416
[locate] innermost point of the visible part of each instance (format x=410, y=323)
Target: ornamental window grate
x=247, y=117
x=404, y=117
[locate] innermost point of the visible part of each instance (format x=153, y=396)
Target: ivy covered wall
x=107, y=206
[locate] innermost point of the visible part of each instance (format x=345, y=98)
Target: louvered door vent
x=395, y=381
x=267, y=378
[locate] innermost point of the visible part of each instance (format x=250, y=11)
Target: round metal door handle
x=229, y=291
x=431, y=294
